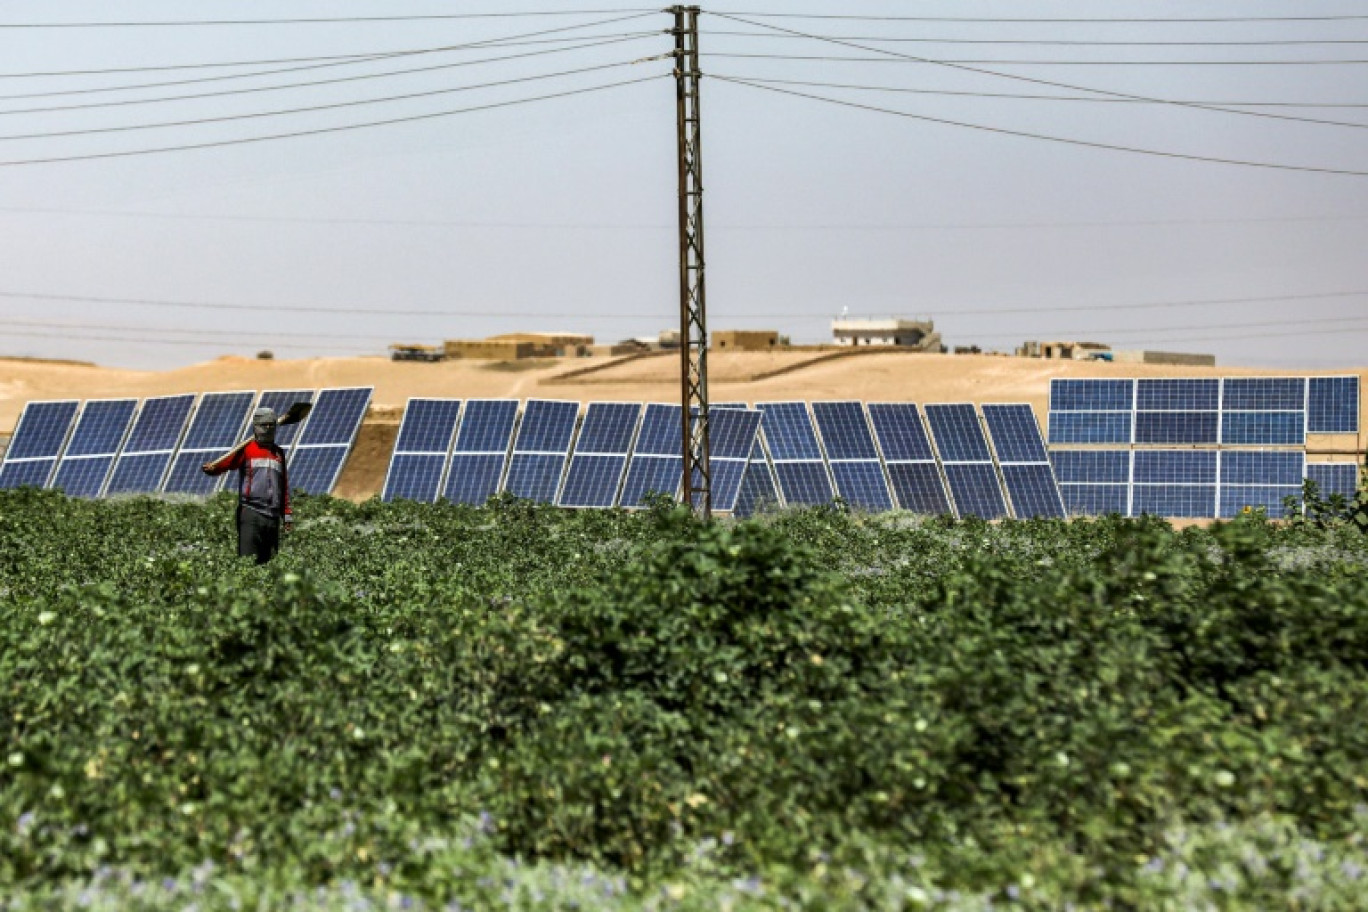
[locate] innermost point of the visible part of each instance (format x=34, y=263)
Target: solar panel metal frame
x=867, y=465
x=760, y=482
x=598, y=456
x=563, y=454
x=468, y=426
x=808, y=462
x=391, y=478
x=950, y=465
x=125, y=452
x=26, y=419
x=203, y=454
x=914, y=470
x=316, y=417
x=657, y=461
x=1023, y=486
x=80, y=460
x=729, y=471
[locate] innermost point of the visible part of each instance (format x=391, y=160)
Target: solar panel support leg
x=693, y=323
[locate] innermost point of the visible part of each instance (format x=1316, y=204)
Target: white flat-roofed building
x=919, y=335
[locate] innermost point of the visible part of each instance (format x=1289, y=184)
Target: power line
x=999, y=62
x=1041, y=136
x=327, y=130
x=1092, y=21
x=884, y=88
x=210, y=333
x=1027, y=79
x=1061, y=333
x=299, y=85
x=174, y=23
x=143, y=340
x=312, y=108
x=1048, y=42
x=447, y=313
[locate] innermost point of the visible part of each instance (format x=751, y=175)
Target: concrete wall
x=1157, y=357
x=745, y=339
x=488, y=350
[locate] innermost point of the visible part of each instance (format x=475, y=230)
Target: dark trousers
x=258, y=536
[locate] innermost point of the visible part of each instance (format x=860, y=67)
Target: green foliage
x=816, y=699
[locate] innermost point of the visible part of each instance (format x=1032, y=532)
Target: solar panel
x=969, y=471
x=1333, y=478
x=1177, y=427
x=37, y=443
x=796, y=453
x=1021, y=454
x=1093, y=482
x=1174, y=483
x=731, y=439
x=656, y=464
x=215, y=429
x=912, y=471
x=539, y=453
x=1263, y=428
x=1177, y=411
x=1263, y=394
x=600, y=458
x=101, y=428
x=759, y=490
x=420, y=450
x=481, y=448
x=1259, y=478
x=1092, y=395
x=147, y=452
x=1332, y=405
x=852, y=455
x=326, y=438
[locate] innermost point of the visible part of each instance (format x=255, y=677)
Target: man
x=263, y=488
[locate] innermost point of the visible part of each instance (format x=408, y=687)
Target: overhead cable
x=331, y=20
x=188, y=147
x=1149, y=20
x=1049, y=42
x=1015, y=78
x=999, y=62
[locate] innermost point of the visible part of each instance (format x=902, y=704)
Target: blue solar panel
x=648, y=474
x=1332, y=478
x=138, y=473
x=1090, y=427
x=428, y=426
x=414, y=476
x=1236, y=499
x=159, y=425
x=336, y=417
x=759, y=491
x=83, y=476
x=798, y=464
x=1092, y=466
x=218, y=421
x=660, y=431
x=975, y=489
x=957, y=433
x=1177, y=427
x=1174, y=501
x=1263, y=394
x=731, y=436
x=314, y=469
x=918, y=487
x=420, y=450
x=1178, y=395
x=547, y=426
x=26, y=473
x=1015, y=433
x=852, y=455
x=477, y=461
x=535, y=476
x=279, y=401
x=101, y=427
x=1175, y=467
x=1032, y=489
x=42, y=429
x=473, y=477
x=1333, y=405
x=600, y=457
x=1095, y=499
x=1262, y=467
x=1092, y=395
x=901, y=435
x=215, y=428
x=1266, y=428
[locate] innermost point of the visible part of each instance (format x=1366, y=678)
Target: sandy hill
x=867, y=374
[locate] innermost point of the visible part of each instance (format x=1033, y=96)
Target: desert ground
x=867, y=374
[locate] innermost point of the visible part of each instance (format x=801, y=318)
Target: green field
x=527, y=708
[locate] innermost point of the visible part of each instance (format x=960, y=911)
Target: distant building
x=747, y=340
x=918, y=335
x=1099, y=351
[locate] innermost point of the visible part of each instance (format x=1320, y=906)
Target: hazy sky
x=559, y=214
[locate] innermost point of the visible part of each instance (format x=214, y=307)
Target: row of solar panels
x=876, y=457
x=1230, y=411
x=103, y=447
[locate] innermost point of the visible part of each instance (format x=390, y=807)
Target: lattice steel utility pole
x=693, y=319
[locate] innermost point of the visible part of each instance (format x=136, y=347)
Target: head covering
x=264, y=416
